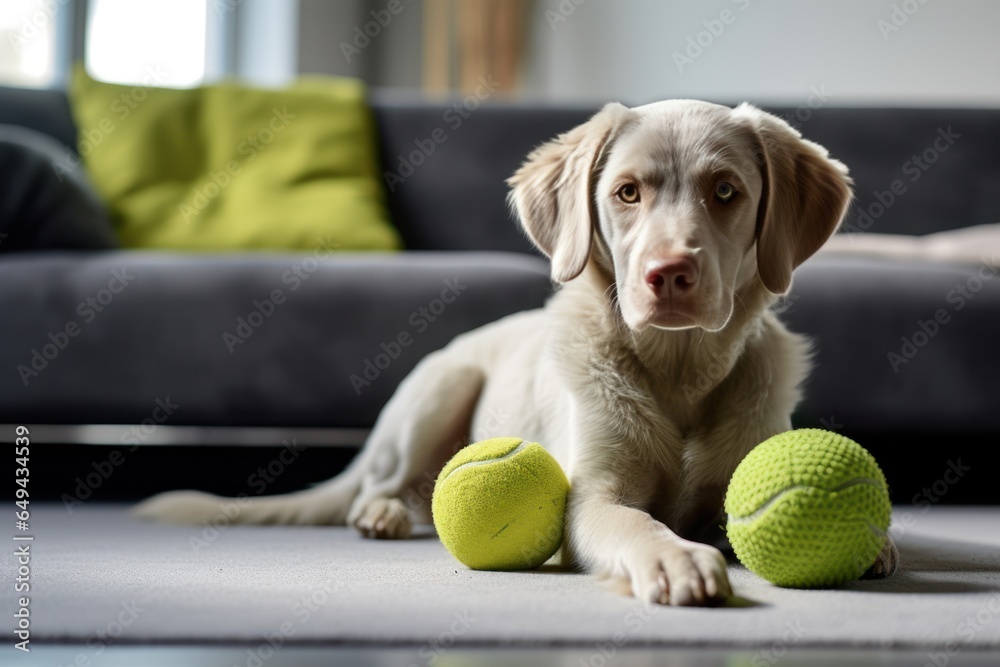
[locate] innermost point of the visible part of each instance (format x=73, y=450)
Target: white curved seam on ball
x=799, y=487
x=524, y=443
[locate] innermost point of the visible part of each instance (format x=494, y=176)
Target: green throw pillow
x=226, y=167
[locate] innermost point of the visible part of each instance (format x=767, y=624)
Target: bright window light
x=28, y=30
x=153, y=42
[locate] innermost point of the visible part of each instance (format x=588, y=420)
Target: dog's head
x=682, y=203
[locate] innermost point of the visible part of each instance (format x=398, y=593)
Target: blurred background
x=780, y=52
x=884, y=84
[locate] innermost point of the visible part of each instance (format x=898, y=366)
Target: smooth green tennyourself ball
x=499, y=505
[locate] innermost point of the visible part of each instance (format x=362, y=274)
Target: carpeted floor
x=99, y=577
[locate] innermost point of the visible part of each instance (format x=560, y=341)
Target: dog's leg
x=416, y=433
x=618, y=541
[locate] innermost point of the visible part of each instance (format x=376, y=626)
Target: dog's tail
x=325, y=504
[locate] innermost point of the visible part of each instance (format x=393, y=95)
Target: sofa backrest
x=445, y=168
x=916, y=171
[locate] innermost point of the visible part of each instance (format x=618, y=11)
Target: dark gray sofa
x=305, y=364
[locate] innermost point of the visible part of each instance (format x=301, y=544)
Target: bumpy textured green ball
x=499, y=505
x=808, y=508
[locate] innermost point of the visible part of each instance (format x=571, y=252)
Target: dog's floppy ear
x=552, y=192
x=804, y=196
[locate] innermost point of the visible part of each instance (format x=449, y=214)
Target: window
x=29, y=42
x=171, y=43
x=163, y=43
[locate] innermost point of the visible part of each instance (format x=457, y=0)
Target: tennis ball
x=499, y=505
x=808, y=508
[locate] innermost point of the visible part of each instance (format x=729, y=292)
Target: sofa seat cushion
x=900, y=346
x=276, y=339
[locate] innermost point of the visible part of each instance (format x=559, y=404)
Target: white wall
x=773, y=52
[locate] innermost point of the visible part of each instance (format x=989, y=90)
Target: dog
x=653, y=370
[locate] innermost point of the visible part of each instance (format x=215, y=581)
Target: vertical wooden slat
x=489, y=35
x=437, y=46
x=474, y=43
x=508, y=28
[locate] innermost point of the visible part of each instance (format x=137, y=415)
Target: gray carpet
x=100, y=576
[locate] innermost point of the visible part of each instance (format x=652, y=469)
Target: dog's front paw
x=886, y=563
x=679, y=573
x=384, y=519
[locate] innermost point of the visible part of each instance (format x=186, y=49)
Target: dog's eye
x=629, y=193
x=724, y=191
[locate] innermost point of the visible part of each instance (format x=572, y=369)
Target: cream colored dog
x=652, y=371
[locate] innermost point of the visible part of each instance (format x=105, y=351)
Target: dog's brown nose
x=679, y=274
